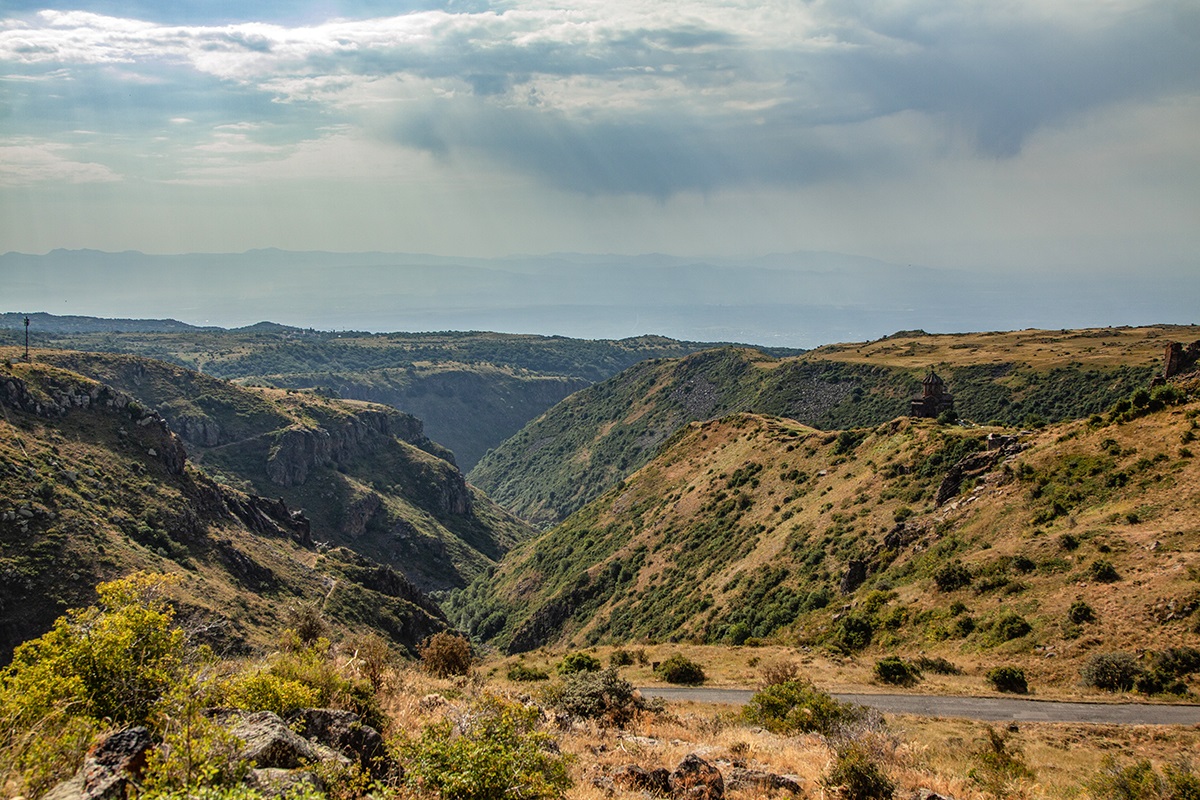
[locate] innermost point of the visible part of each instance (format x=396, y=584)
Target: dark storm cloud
x=1002, y=80
x=651, y=154
x=993, y=78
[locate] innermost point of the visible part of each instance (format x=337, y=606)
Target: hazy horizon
x=784, y=300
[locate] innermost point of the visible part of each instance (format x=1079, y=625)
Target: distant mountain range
x=794, y=300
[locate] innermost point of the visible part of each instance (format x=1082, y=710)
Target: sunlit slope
x=587, y=443
x=94, y=485
x=364, y=474
x=759, y=527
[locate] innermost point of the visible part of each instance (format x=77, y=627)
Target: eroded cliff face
x=299, y=449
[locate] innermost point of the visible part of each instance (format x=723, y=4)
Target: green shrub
x=854, y=775
x=372, y=657
x=306, y=621
x=897, y=671
x=299, y=791
x=1008, y=679
x=315, y=669
x=680, y=669
x=797, y=706
x=1182, y=782
x=1137, y=781
x=195, y=753
x=620, y=657
x=578, y=662
x=1080, y=612
x=1177, y=662
x=938, y=666
x=952, y=576
x=1007, y=626
x=520, y=672
x=1102, y=571
x=601, y=695
x=108, y=664
x=853, y=632
x=113, y=661
x=1112, y=672
x=445, y=654
x=1152, y=681
x=495, y=752
x=738, y=633
x=1166, y=669
x=263, y=691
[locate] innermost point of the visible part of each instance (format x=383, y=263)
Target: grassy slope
x=386, y=496
x=591, y=440
x=83, y=499
x=746, y=527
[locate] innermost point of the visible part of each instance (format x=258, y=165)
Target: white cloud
x=26, y=163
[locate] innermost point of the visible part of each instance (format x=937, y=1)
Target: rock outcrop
x=60, y=393
x=972, y=466
x=110, y=768
x=698, y=779
x=298, y=449
x=282, y=759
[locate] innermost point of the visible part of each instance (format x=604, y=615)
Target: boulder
x=270, y=743
x=274, y=782
x=345, y=733
x=109, y=768
x=696, y=779
x=633, y=778
x=758, y=781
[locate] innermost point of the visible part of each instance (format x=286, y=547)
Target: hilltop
x=586, y=444
x=972, y=544
x=94, y=485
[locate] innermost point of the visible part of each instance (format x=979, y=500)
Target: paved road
x=981, y=708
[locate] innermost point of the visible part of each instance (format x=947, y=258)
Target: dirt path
x=992, y=709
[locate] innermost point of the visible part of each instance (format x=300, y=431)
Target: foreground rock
x=109, y=768
x=697, y=779
x=281, y=759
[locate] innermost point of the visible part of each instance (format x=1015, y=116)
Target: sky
x=1001, y=135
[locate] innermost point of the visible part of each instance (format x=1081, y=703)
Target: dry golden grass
x=1040, y=349
x=916, y=753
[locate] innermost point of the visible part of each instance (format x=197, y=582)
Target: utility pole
x=27, y=340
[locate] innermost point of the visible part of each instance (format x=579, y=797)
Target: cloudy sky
x=1019, y=135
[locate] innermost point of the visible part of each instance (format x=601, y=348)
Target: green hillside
x=908, y=537
x=364, y=474
x=93, y=485
x=590, y=441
